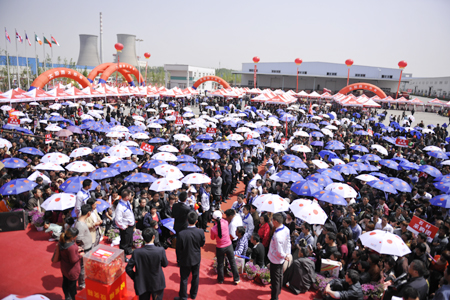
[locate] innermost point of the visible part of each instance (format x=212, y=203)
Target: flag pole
x=51, y=60
x=17, y=63
x=35, y=56
x=26, y=58
x=7, y=61
x=45, y=61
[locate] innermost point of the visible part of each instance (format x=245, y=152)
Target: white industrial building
x=184, y=76
x=315, y=76
x=429, y=86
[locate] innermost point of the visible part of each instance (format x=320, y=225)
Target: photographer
x=348, y=288
x=416, y=281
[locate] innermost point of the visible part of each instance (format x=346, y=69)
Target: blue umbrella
x=445, y=178
x=153, y=164
x=407, y=165
x=99, y=106
x=382, y=186
x=311, y=126
x=321, y=179
x=287, y=176
x=252, y=142
x=9, y=127
x=14, y=163
x=359, y=148
x=306, y=188
x=135, y=129
x=160, y=121
x=356, y=157
x=443, y=186
x=317, y=143
x=189, y=167
x=316, y=134
x=75, y=184
x=208, y=155
x=370, y=157
x=361, y=132
x=333, y=174
x=371, y=167
x=357, y=115
x=101, y=149
x=199, y=146
x=371, y=119
x=289, y=157
x=17, y=186
x=334, y=146
x=220, y=145
x=331, y=197
x=331, y=154
x=168, y=223
x=56, y=118
x=124, y=166
x=400, y=159
x=296, y=164
x=102, y=205
x=324, y=123
x=389, y=164
x=430, y=170
x=344, y=110
x=32, y=151
x=389, y=139
x=346, y=169
x=103, y=173
x=357, y=126
x=332, y=117
x=24, y=130
x=157, y=140
x=441, y=200
x=378, y=174
x=185, y=158
x=360, y=167
x=233, y=143
x=398, y=184
x=438, y=154
x=230, y=123
x=204, y=137
x=140, y=178
x=136, y=150
x=335, y=142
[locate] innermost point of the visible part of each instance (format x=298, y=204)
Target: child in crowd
x=54, y=229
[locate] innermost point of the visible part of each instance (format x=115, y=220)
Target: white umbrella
x=170, y=118
x=165, y=184
x=168, y=148
x=154, y=125
x=34, y=103
x=301, y=148
x=25, y=120
x=111, y=159
x=120, y=151
x=275, y=146
x=86, y=116
x=60, y=202
x=81, y=152
x=139, y=118
x=53, y=127
x=115, y=134
x=169, y=171
x=327, y=132
x=301, y=133
x=166, y=156
x=308, y=211
x=140, y=124
x=385, y=242
x=55, y=106
x=273, y=122
x=90, y=104
x=49, y=167
x=5, y=143
x=37, y=174
x=187, y=108
x=182, y=137
x=412, y=118
x=151, y=110
x=56, y=158
x=366, y=177
x=380, y=149
x=169, y=111
x=331, y=127
x=337, y=161
x=6, y=107
x=80, y=167
x=432, y=148
x=129, y=144
x=320, y=164
x=140, y=136
x=18, y=113
x=196, y=178
x=426, y=130
x=120, y=128
x=342, y=189
x=252, y=135
x=203, y=103
x=94, y=114
x=243, y=129
x=446, y=163
x=235, y=137
x=260, y=124
x=270, y=203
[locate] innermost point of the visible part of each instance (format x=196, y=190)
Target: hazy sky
x=204, y=33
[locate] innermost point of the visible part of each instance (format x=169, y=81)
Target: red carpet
x=26, y=269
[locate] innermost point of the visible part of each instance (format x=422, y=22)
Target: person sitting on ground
x=258, y=251
x=55, y=229
x=348, y=288
x=242, y=241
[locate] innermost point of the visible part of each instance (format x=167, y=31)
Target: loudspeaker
x=12, y=221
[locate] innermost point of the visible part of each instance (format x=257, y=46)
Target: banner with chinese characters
x=418, y=225
x=401, y=142
x=211, y=130
x=179, y=121
x=48, y=138
x=146, y=147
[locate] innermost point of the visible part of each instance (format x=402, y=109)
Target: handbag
x=56, y=255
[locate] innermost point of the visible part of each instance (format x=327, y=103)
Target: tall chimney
x=101, y=38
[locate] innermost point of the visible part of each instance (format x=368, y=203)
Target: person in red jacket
x=264, y=230
x=70, y=255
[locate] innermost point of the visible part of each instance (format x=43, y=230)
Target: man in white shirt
x=279, y=252
x=385, y=226
x=125, y=222
x=82, y=196
x=238, y=206
x=234, y=221
x=247, y=221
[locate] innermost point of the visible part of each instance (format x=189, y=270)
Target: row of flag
x=37, y=39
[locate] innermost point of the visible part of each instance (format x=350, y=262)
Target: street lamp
x=402, y=64
x=298, y=62
x=139, y=64
x=147, y=56
x=349, y=63
x=255, y=60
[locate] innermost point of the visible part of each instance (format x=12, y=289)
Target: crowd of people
x=253, y=144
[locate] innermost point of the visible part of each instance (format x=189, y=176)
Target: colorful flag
x=47, y=41
x=7, y=36
x=28, y=40
x=54, y=41
x=37, y=39
x=18, y=37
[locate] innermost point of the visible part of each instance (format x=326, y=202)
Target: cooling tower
x=128, y=54
x=88, y=51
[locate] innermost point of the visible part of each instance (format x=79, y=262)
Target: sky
x=228, y=33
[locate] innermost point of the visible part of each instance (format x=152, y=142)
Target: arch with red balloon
x=51, y=74
x=219, y=80
x=101, y=68
x=122, y=67
x=363, y=86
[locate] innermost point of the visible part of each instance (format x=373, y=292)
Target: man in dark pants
x=189, y=243
x=149, y=260
x=125, y=222
x=180, y=211
x=227, y=179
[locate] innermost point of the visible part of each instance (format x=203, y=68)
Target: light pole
x=298, y=62
x=255, y=60
x=139, y=64
x=147, y=56
x=402, y=64
x=349, y=63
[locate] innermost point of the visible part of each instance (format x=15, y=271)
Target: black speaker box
x=12, y=221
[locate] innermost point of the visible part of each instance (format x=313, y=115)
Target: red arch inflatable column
x=51, y=74
x=101, y=68
x=126, y=68
x=211, y=78
x=363, y=86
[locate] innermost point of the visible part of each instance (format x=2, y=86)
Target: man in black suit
x=227, y=177
x=258, y=251
x=148, y=261
x=189, y=243
x=180, y=211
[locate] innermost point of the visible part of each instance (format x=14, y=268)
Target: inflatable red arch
x=127, y=69
x=211, y=78
x=101, y=68
x=51, y=74
x=363, y=86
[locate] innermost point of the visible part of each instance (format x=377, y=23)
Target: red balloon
x=118, y=47
x=147, y=55
x=256, y=59
x=298, y=61
x=402, y=64
x=349, y=62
